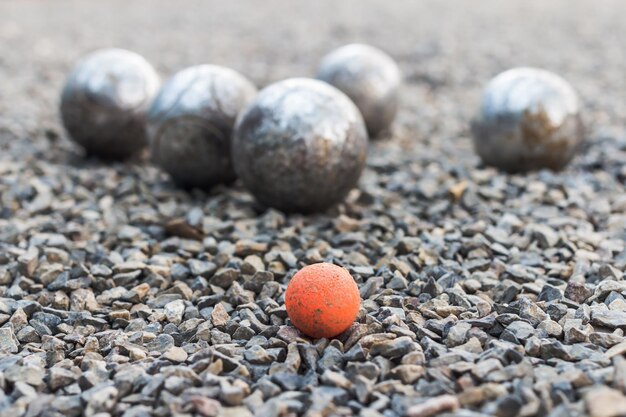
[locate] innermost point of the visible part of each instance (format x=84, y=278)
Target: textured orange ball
x=322, y=300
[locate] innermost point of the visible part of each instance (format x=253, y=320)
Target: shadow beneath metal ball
x=350, y=206
x=384, y=135
x=79, y=158
x=196, y=192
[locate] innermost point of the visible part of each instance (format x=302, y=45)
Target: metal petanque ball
x=190, y=124
x=105, y=100
x=300, y=145
x=370, y=77
x=529, y=119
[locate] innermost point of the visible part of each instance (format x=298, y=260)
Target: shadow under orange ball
x=322, y=300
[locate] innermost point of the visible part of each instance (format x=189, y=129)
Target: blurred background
x=464, y=225
x=447, y=49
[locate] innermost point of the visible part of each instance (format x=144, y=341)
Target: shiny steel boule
x=529, y=119
x=370, y=77
x=300, y=145
x=191, y=121
x=105, y=100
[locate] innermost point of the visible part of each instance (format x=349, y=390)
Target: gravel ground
x=483, y=293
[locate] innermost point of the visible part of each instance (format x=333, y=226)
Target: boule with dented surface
x=371, y=79
x=300, y=145
x=529, y=119
x=105, y=100
x=191, y=121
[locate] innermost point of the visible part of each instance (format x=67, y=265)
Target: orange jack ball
x=322, y=300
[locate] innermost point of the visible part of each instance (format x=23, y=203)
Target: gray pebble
x=8, y=343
